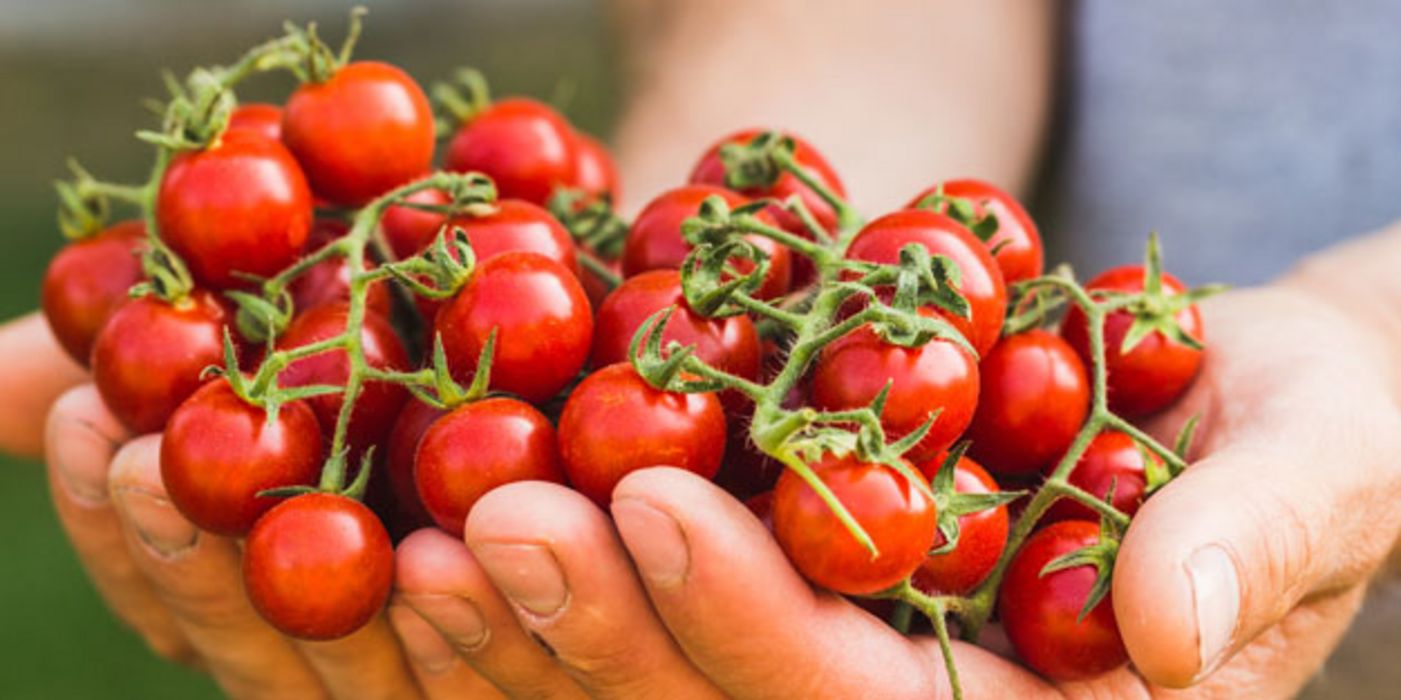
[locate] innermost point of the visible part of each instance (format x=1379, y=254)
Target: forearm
x=36, y=372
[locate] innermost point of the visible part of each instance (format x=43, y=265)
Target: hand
x=36, y=372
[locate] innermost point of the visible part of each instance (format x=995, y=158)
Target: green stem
x=847, y=216
x=600, y=270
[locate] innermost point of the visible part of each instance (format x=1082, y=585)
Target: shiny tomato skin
x=1034, y=398
x=1112, y=458
x=87, y=281
x=1158, y=370
x=329, y=280
x=477, y=447
x=981, y=536
x=409, y=230
x=615, y=423
x=219, y=452
x=259, y=118
x=524, y=146
x=414, y=419
x=241, y=205
x=518, y=225
x=151, y=354
x=1039, y=612
x=900, y=519
x=318, y=566
x=595, y=172
x=1017, y=242
x=363, y=132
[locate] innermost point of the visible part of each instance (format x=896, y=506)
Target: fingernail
x=1216, y=597
x=82, y=464
x=157, y=522
x=528, y=574
x=456, y=617
x=655, y=539
x=425, y=647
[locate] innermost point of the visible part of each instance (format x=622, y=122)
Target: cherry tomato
x=241, y=205
x=262, y=119
x=1039, y=612
x=1035, y=396
x=151, y=354
x=477, y=447
x=363, y=132
x=1017, y=242
x=87, y=281
x=318, y=566
x=899, y=518
x=595, y=173
x=1158, y=370
x=329, y=280
x=410, y=230
x=1112, y=459
x=981, y=536
x=403, y=440
x=526, y=148
x=615, y=423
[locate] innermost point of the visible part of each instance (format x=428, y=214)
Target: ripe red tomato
x=1039, y=612
x=241, y=205
x=329, y=280
x=149, y=357
x=1017, y=241
x=262, y=119
x=318, y=566
x=981, y=283
x=363, y=132
x=595, y=173
x=981, y=536
x=409, y=512
x=615, y=423
x=524, y=146
x=899, y=518
x=518, y=225
x=1112, y=458
x=219, y=452
x=1035, y=396
x=87, y=281
x=477, y=447
x=410, y=230
x=1158, y=370
x=541, y=316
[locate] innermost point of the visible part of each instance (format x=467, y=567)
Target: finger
x=556, y=557
x=440, y=580
x=36, y=372
x=441, y=673
x=366, y=665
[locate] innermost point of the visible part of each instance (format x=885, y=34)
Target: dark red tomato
x=1039, y=612
x=654, y=242
x=899, y=518
x=526, y=148
x=262, y=119
x=477, y=447
x=615, y=423
x=241, y=205
x=981, y=284
x=594, y=170
x=761, y=505
x=1112, y=459
x=939, y=376
x=87, y=281
x=149, y=357
x=542, y=320
x=1159, y=369
x=399, y=456
x=318, y=566
x=378, y=403
x=746, y=470
x=362, y=133
x=981, y=536
x=1019, y=254
x=329, y=280
x=410, y=230
x=1034, y=398
x=219, y=452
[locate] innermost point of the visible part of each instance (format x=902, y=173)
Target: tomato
x=151, y=354
x=517, y=225
x=1035, y=396
x=594, y=286
x=1039, y=612
x=1158, y=370
x=1017, y=242
x=524, y=146
x=363, y=132
x=899, y=518
x=87, y=281
x=615, y=423
x=477, y=447
x=981, y=536
x=409, y=511
x=329, y=280
x=981, y=283
x=938, y=376
x=595, y=173
x=262, y=119
x=241, y=205
x=1111, y=459
x=655, y=242
x=410, y=230
x=219, y=452
x=318, y=566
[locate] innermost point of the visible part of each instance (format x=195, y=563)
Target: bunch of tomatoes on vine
x=346, y=332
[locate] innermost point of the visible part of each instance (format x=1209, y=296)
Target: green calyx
x=1100, y=555
x=1155, y=309
x=977, y=217
x=752, y=165
x=952, y=505
x=461, y=99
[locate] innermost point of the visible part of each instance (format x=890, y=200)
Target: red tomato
x=899, y=518
x=615, y=423
x=241, y=205
x=981, y=284
x=1035, y=396
x=1112, y=458
x=409, y=230
x=524, y=146
x=219, y=452
x=262, y=119
x=981, y=536
x=477, y=447
x=1019, y=254
x=149, y=357
x=1039, y=612
x=1158, y=370
x=329, y=280
x=409, y=511
x=594, y=170
x=363, y=132
x=541, y=316
x=318, y=566
x=517, y=225
x=87, y=281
